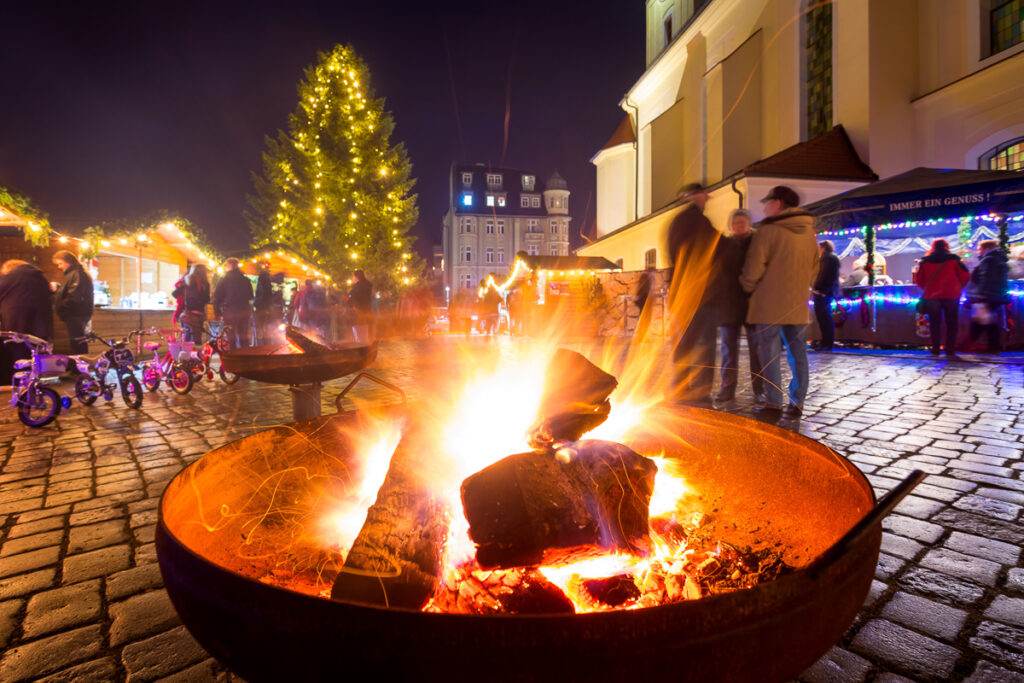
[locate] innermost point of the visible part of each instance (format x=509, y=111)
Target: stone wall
x=620, y=313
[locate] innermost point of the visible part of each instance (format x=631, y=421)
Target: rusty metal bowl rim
x=800, y=575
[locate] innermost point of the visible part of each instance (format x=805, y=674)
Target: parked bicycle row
x=115, y=370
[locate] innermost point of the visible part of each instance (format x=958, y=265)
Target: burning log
x=575, y=399
x=515, y=591
x=538, y=508
x=308, y=341
x=395, y=560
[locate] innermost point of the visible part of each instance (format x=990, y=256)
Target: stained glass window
x=1008, y=156
x=1007, y=24
x=819, y=70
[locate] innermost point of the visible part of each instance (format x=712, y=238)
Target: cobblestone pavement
x=81, y=596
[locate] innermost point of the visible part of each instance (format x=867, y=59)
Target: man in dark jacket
x=74, y=299
x=261, y=305
x=987, y=293
x=26, y=306
x=732, y=308
x=232, y=300
x=360, y=298
x=691, y=246
x=824, y=291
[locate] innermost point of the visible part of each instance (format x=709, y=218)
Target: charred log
x=538, y=508
x=513, y=591
x=575, y=399
x=396, y=558
x=309, y=342
x=612, y=591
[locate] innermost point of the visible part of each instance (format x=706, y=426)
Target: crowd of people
x=757, y=281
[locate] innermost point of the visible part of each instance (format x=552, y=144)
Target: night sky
x=113, y=110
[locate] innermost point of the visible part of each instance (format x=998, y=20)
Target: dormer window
x=528, y=182
x=467, y=179
x=501, y=201
x=467, y=199
x=493, y=180
x=535, y=201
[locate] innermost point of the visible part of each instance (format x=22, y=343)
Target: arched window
x=651, y=258
x=818, y=71
x=1008, y=156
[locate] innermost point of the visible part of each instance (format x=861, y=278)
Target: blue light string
x=987, y=218
x=903, y=299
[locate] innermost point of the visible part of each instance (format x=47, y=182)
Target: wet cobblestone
x=81, y=597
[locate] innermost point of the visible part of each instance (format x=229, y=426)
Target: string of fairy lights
x=860, y=231
x=520, y=270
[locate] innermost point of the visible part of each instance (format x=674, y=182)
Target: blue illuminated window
x=467, y=199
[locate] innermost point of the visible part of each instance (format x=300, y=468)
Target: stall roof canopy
x=923, y=194
x=569, y=263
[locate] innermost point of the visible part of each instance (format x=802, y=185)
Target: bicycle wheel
x=131, y=390
x=228, y=377
x=180, y=379
x=38, y=406
x=151, y=377
x=197, y=370
x=87, y=389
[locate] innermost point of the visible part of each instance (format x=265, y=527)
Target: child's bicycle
x=216, y=341
x=174, y=367
x=38, y=405
x=118, y=358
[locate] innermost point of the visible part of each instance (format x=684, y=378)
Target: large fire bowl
x=758, y=484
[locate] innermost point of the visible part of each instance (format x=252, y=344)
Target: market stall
x=548, y=293
x=888, y=225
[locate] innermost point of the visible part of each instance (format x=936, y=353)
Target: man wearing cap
x=779, y=270
x=691, y=246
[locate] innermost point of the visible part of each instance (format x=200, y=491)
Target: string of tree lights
x=333, y=187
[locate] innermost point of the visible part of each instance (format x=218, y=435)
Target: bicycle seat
x=151, y=346
x=89, y=359
x=22, y=364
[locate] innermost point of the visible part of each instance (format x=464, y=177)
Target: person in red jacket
x=942, y=276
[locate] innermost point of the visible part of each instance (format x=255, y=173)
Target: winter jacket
x=780, y=268
x=26, y=304
x=74, y=296
x=827, y=282
x=233, y=294
x=360, y=296
x=730, y=299
x=264, y=292
x=691, y=245
x=191, y=297
x=989, y=281
x=948, y=282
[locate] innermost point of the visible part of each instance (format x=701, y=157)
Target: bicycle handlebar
x=24, y=338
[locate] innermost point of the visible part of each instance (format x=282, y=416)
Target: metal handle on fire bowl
x=873, y=517
x=372, y=378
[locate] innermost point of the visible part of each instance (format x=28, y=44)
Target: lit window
x=650, y=258
x=501, y=200
x=467, y=199
x=531, y=225
x=490, y=227
x=490, y=200
x=528, y=181
x=1008, y=156
x=501, y=227
x=467, y=179
x=489, y=256
x=535, y=201
x=1007, y=24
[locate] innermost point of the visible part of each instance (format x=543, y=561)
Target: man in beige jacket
x=779, y=270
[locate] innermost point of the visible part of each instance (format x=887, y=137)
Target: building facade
x=733, y=84
x=493, y=213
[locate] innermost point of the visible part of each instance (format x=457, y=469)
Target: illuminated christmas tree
x=333, y=187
